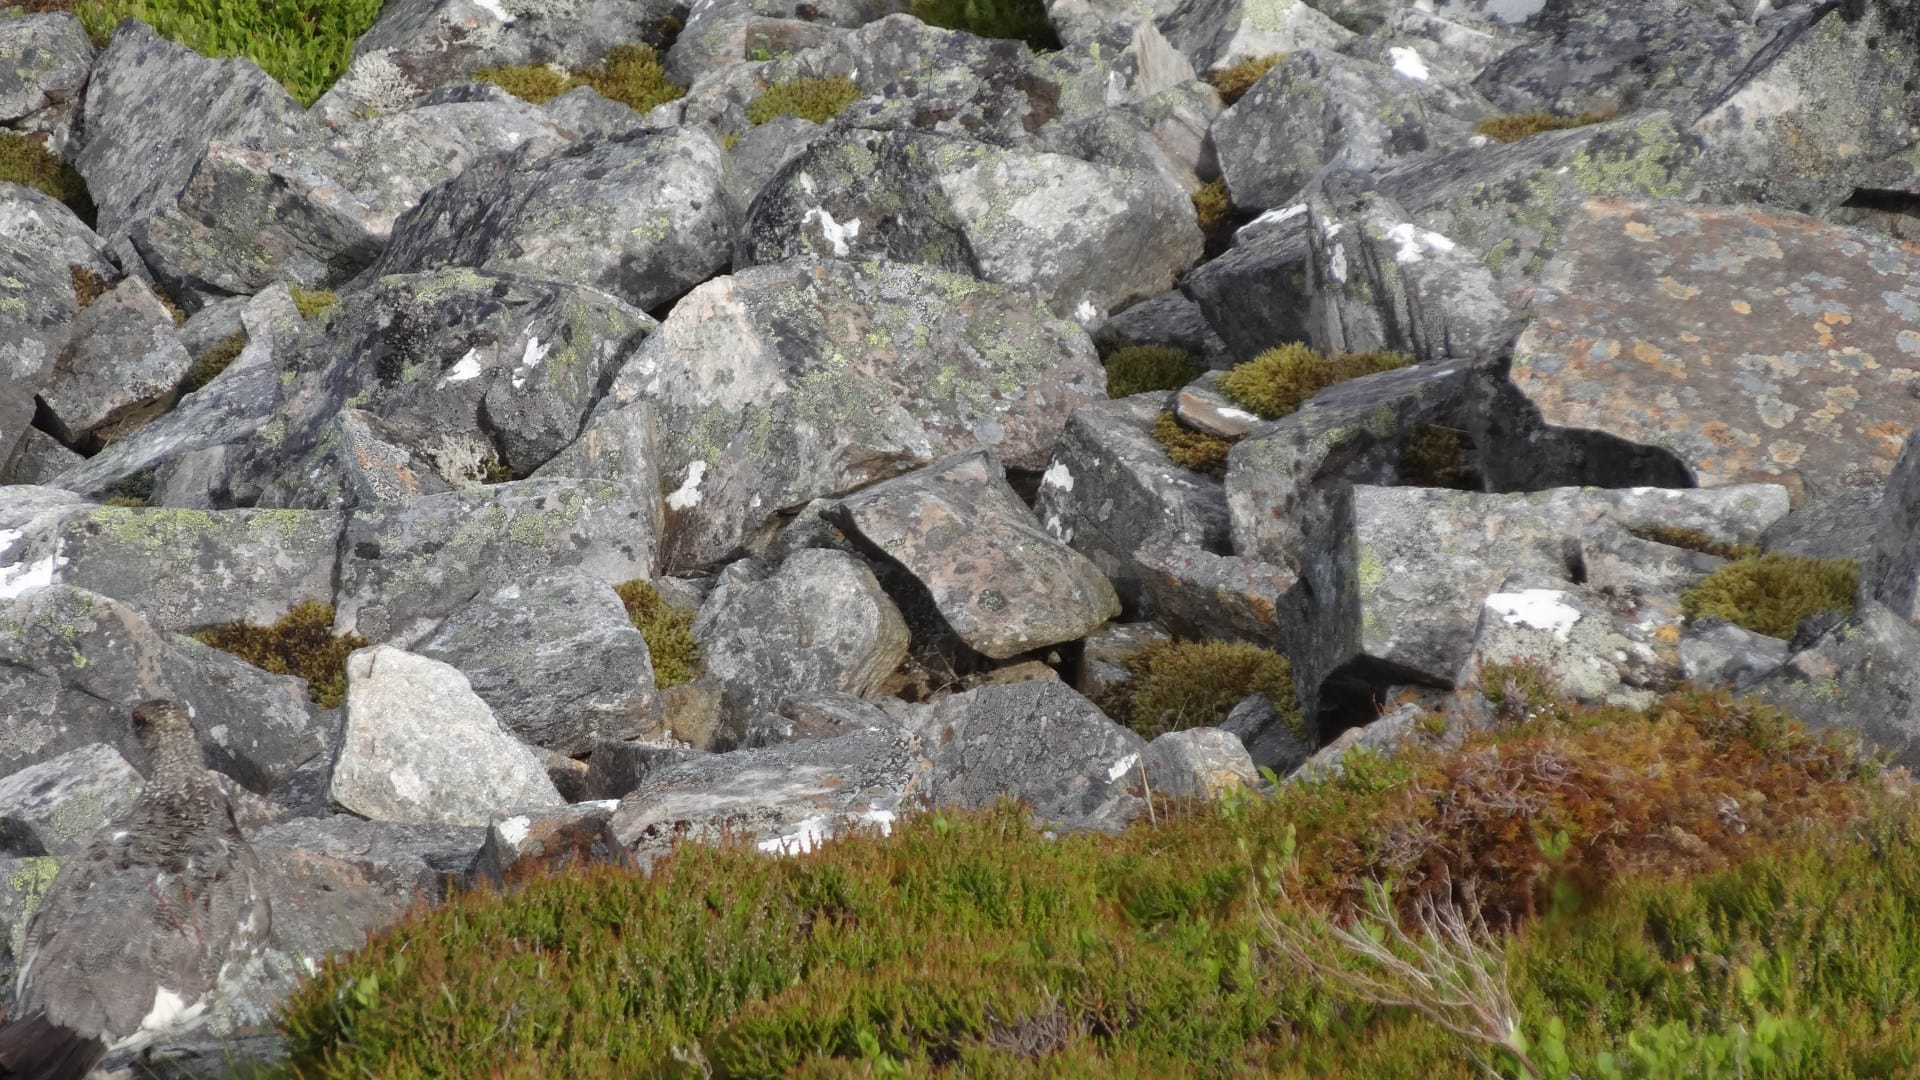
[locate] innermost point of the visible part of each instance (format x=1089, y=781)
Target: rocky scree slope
x=837, y=385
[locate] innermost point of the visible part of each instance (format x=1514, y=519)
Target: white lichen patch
x=1409, y=63
x=1409, y=239
x=1337, y=263
x=688, y=496
x=530, y=360
x=1538, y=609
x=467, y=368
x=495, y=9
x=836, y=233
x=1057, y=475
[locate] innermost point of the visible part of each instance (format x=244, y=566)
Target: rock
x=1038, y=742
x=1891, y=575
x=763, y=152
x=616, y=767
x=22, y=883
x=38, y=458
x=1715, y=652
x=783, y=384
x=557, y=660
x=1104, y=655
x=1168, y=319
x=46, y=227
x=1200, y=594
x=37, y=309
x=785, y=799
x=1217, y=34
x=1861, y=675
x=419, y=747
x=406, y=566
x=48, y=58
x=1110, y=490
x=1004, y=584
x=1198, y=763
x=1202, y=406
x=641, y=215
x=124, y=364
x=55, y=807
x=1582, y=650
x=527, y=846
x=819, y=622
x=1256, y=295
x=1269, y=740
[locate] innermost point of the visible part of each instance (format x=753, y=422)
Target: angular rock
x=1198, y=593
x=1270, y=741
x=1197, y=763
x=819, y=622
x=1217, y=34
x=1038, y=742
x=53, y=808
x=1202, y=406
x=48, y=228
x=783, y=384
x=38, y=459
x=641, y=215
x=406, y=566
x=523, y=847
x=1256, y=296
x=1104, y=655
x=1111, y=490
x=22, y=883
x=786, y=799
x=1002, y=582
x=1861, y=675
x=1585, y=653
x=1891, y=574
x=123, y=365
x=47, y=60
x=1168, y=319
x=37, y=309
x=1715, y=652
x=419, y=747
x=616, y=767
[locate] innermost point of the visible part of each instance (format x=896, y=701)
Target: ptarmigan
x=134, y=936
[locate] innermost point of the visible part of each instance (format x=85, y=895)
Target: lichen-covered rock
x=123, y=365
x=37, y=459
x=569, y=839
x=420, y=747
x=1038, y=742
x=1892, y=573
x=320, y=213
x=1861, y=675
x=1202, y=594
x=642, y=215
x=783, y=384
x=556, y=658
x=1715, y=652
x=48, y=56
x=405, y=566
x=54, y=807
x=722, y=33
x=1003, y=583
x=48, y=229
x=1198, y=763
x=785, y=799
x=1220, y=33
x=1171, y=319
x=1585, y=652
x=1257, y=295
x=1271, y=742
x=818, y=622
x=37, y=309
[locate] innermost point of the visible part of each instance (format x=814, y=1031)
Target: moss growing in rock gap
x=302, y=643
x=24, y=160
x=1435, y=456
x=1189, y=449
x=87, y=285
x=534, y=83
x=311, y=302
x=1139, y=369
x=1279, y=381
x=631, y=75
x=1769, y=594
x=1681, y=536
x=1516, y=126
x=668, y=630
x=216, y=360
x=1234, y=82
x=1176, y=685
x=1212, y=206
x=133, y=490
x=818, y=100
x=1020, y=20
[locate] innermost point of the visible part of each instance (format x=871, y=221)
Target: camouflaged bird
x=134, y=936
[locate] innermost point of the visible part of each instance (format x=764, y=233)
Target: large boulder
x=1861, y=674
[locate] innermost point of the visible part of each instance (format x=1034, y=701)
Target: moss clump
x=1769, y=594
x=305, y=44
x=1435, y=456
x=302, y=644
x=87, y=285
x=631, y=75
x=1516, y=126
x=215, y=360
x=1212, y=206
x=25, y=161
x=668, y=630
x=311, y=302
x=1189, y=449
x=818, y=100
x=1279, y=381
x=133, y=490
x=1234, y=82
x=1019, y=20
x=1176, y=685
x=1694, y=540
x=1140, y=369
x=535, y=83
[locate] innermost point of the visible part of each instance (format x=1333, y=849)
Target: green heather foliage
x=1648, y=930
x=1189, y=449
x=818, y=100
x=305, y=44
x=25, y=161
x=1137, y=369
x=1021, y=20
x=1769, y=594
x=1278, y=381
x=132, y=490
x=1234, y=82
x=215, y=360
x=668, y=630
x=302, y=643
x=1516, y=126
x=311, y=302
x=1176, y=685
x=631, y=75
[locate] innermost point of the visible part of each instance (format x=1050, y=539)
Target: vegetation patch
x=305, y=44
x=1701, y=889
x=311, y=302
x=1213, y=207
x=1190, y=449
x=818, y=100
x=133, y=490
x=1234, y=82
x=1769, y=594
x=668, y=630
x=1140, y=369
x=1020, y=20
x=1175, y=685
x=1681, y=536
x=1516, y=126
x=87, y=285
x=26, y=161
x=302, y=643
x=1279, y=381
x=1436, y=456
x=631, y=75
x=216, y=360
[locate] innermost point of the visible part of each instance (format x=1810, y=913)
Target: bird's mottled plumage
x=134, y=934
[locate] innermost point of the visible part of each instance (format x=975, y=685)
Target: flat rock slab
x=1003, y=583
x=54, y=807
x=1753, y=346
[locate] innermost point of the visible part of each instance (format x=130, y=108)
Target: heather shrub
x=305, y=44
x=1176, y=685
x=1279, y=381
x=1769, y=594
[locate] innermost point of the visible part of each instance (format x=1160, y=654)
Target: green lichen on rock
x=215, y=360
x=24, y=161
x=1233, y=82
x=302, y=643
x=1176, y=685
x=1769, y=594
x=1020, y=20
x=1140, y=369
x=668, y=630
x=1189, y=449
x=1516, y=126
x=818, y=100
x=1279, y=381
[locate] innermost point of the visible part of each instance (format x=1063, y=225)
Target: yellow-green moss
x=1233, y=82
x=818, y=100
x=631, y=75
x=1516, y=126
x=1681, y=536
x=24, y=161
x=302, y=644
x=668, y=630
x=1139, y=369
x=1189, y=449
x=311, y=302
x=1279, y=381
x=1212, y=206
x=1769, y=594
x=535, y=83
x=215, y=360
x=1435, y=456
x=1176, y=685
